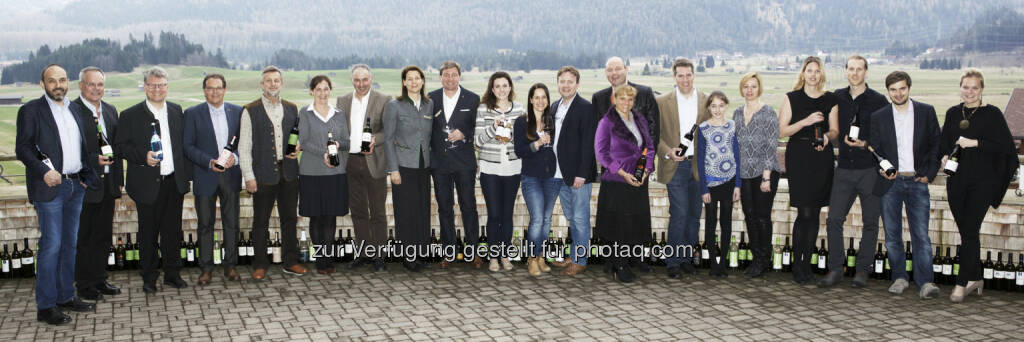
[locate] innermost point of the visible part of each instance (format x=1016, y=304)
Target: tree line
x=501, y=60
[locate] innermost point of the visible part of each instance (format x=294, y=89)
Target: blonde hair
x=624, y=89
x=752, y=76
x=975, y=73
x=800, y=81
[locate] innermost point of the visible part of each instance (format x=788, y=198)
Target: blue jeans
x=539, y=194
x=576, y=207
x=684, y=207
x=55, y=261
x=914, y=194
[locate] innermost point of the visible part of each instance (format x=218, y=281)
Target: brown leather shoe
x=259, y=274
x=296, y=269
x=533, y=266
x=478, y=263
x=573, y=269
x=445, y=264
x=328, y=271
x=232, y=274
x=204, y=279
x=564, y=263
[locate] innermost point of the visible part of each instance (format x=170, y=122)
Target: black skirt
x=810, y=173
x=623, y=213
x=323, y=195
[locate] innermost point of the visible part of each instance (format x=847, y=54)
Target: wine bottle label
x=733, y=259
x=270, y=250
x=106, y=150
x=987, y=273
x=878, y=266
x=250, y=251
x=951, y=165
x=910, y=265
x=956, y=269
x=821, y=262
x=293, y=139
x=110, y=259
x=48, y=163
x=647, y=252
x=885, y=165
x=312, y=256
x=223, y=158
x=183, y=253
x=854, y=132
x=242, y=251
x=277, y=257
x=777, y=261
x=998, y=274
x=26, y=261
x=814, y=258
x=190, y=255
x=367, y=136
x=6, y=266
x=349, y=248
x=851, y=261
x=785, y=258
x=1020, y=278
x=216, y=256
x=1009, y=275
x=705, y=254
x=686, y=142
x=937, y=268
x=16, y=263
x=947, y=269
x=332, y=149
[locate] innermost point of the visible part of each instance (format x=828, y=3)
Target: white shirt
x=98, y=115
x=560, y=112
x=318, y=115
x=687, y=116
x=449, y=103
x=70, y=139
x=357, y=119
x=904, y=124
x=219, y=119
x=167, y=164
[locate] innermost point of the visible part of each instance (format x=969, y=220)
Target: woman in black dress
x=976, y=137
x=809, y=117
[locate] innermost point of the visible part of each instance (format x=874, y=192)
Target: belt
x=70, y=176
x=356, y=155
x=907, y=174
x=171, y=175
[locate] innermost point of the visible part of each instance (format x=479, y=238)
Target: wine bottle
x=389, y=250
x=953, y=162
x=745, y=257
x=250, y=249
x=28, y=265
x=154, y=142
x=641, y=167
x=819, y=135
x=686, y=142
x=718, y=251
x=44, y=158
x=367, y=136
x=956, y=266
x=998, y=280
x=217, y=256
x=517, y=255
x=105, y=150
x=879, y=263
x=854, y=127
x=1020, y=273
x=5, y=264
x=226, y=153
x=987, y=270
x=482, y=245
x=1009, y=274
x=349, y=246
x=293, y=138
x=734, y=251
x=883, y=164
x=663, y=243
x=332, y=150
x=947, y=267
x=311, y=250
x=705, y=255
x=562, y=249
x=16, y=263
x=787, y=253
x=851, y=260
x=461, y=245
x=909, y=263
x=814, y=257
x=243, y=254
x=777, y=256
x=119, y=255
x=550, y=247
x=275, y=248
x=111, y=258
x=435, y=246
x=648, y=245
x=131, y=256
x=887, y=272
x=823, y=258
x=937, y=266
x=190, y=252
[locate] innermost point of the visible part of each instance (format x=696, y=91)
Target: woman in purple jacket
x=625, y=150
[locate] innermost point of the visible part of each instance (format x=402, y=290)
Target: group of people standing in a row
x=73, y=152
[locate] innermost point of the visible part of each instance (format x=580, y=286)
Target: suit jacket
x=926, y=142
x=36, y=128
x=201, y=146
x=616, y=147
x=575, y=152
x=132, y=144
x=407, y=133
x=376, y=161
x=645, y=104
x=669, y=139
x=463, y=156
x=111, y=182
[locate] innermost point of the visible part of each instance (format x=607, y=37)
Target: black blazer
x=132, y=144
x=36, y=128
x=111, y=182
x=201, y=146
x=463, y=156
x=926, y=142
x=536, y=163
x=575, y=141
x=645, y=103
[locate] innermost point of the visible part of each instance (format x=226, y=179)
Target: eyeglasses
x=213, y=88
x=157, y=86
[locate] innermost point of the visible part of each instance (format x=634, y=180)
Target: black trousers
x=719, y=212
x=286, y=194
x=205, y=213
x=161, y=220
x=805, y=230
x=757, y=213
x=322, y=230
x=969, y=201
x=95, y=228
x=412, y=207
x=465, y=184
x=500, y=196
x=366, y=200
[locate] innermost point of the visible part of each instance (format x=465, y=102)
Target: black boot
x=622, y=272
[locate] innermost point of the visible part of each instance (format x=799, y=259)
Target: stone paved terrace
x=463, y=304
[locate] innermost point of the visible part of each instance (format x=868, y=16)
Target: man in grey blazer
x=366, y=167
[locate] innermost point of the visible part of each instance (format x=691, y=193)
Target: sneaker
x=506, y=264
x=494, y=267
x=899, y=285
x=928, y=291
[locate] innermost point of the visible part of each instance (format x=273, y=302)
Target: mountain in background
x=252, y=31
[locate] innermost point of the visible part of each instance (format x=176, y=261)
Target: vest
x=264, y=150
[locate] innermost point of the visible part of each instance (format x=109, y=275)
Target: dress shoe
x=149, y=286
x=756, y=270
x=107, y=289
x=77, y=305
x=445, y=264
x=296, y=270
x=560, y=264
x=53, y=316
x=232, y=274
x=961, y=292
x=175, y=282
x=574, y=269
x=620, y=272
x=533, y=266
x=259, y=274
x=860, y=280
x=543, y=265
x=204, y=279
x=359, y=262
x=687, y=268
x=326, y=271
x=830, y=279
x=674, y=272
x=478, y=263
x=90, y=293
x=379, y=265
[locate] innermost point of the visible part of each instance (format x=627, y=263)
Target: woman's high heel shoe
x=623, y=273
x=962, y=291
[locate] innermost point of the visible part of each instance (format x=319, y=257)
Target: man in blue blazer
x=453, y=158
x=906, y=134
x=50, y=142
x=211, y=128
x=574, y=150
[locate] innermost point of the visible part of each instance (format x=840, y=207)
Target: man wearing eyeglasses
x=158, y=179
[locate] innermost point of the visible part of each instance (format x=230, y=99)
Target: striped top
x=758, y=141
x=495, y=157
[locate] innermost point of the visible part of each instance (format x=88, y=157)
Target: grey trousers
x=847, y=185
x=205, y=206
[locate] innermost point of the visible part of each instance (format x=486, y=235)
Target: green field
x=939, y=88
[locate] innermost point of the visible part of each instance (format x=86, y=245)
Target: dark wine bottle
x=28, y=261
x=5, y=264
x=1019, y=277
x=947, y=267
x=155, y=144
x=998, y=279
x=367, y=136
x=854, y=127
x=111, y=258
x=819, y=135
x=953, y=162
x=226, y=153
x=190, y=253
x=641, y=167
x=293, y=138
x=879, y=263
x=16, y=263
x=822, y=258
x=988, y=272
x=937, y=266
x=814, y=258
x=1009, y=274
x=482, y=245
x=119, y=255
x=883, y=164
x=787, y=257
x=332, y=150
x=909, y=267
x=686, y=142
x=745, y=256
x=851, y=260
x=956, y=266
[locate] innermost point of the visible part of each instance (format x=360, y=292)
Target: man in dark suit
x=157, y=180
x=616, y=71
x=50, y=142
x=574, y=149
x=366, y=170
x=96, y=222
x=453, y=157
x=210, y=129
x=906, y=134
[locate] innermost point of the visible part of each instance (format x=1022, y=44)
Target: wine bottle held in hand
x=332, y=150
x=366, y=137
x=854, y=127
x=953, y=162
x=44, y=158
x=226, y=153
x=641, y=167
x=686, y=142
x=293, y=139
x=883, y=164
x=154, y=142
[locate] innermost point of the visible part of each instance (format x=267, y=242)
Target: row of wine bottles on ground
x=19, y=263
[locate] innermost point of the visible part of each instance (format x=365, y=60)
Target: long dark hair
x=405, y=91
x=489, y=99
x=531, y=120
